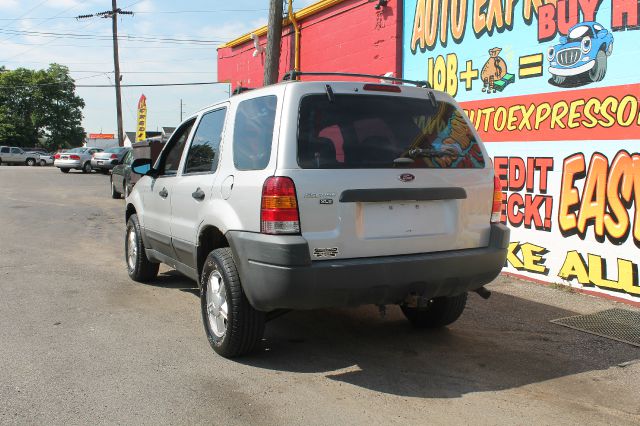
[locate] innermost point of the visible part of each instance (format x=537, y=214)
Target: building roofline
x=299, y=15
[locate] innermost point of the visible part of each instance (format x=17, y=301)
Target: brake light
x=56, y=157
x=496, y=209
x=382, y=88
x=74, y=157
x=279, y=209
x=114, y=156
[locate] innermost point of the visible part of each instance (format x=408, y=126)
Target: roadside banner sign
x=141, y=132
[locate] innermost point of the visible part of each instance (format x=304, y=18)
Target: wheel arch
x=209, y=239
x=129, y=211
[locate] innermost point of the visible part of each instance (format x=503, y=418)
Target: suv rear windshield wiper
x=414, y=153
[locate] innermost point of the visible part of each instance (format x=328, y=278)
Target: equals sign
x=530, y=66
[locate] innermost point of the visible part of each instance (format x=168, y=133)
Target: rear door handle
x=198, y=194
x=164, y=193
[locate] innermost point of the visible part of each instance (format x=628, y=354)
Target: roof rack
x=293, y=75
x=241, y=89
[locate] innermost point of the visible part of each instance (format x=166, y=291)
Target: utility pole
x=113, y=14
x=116, y=68
x=274, y=35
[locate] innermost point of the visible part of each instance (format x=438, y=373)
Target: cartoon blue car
x=583, y=51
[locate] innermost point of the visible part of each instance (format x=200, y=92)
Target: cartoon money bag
x=493, y=70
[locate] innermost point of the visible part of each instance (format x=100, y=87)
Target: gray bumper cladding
x=277, y=272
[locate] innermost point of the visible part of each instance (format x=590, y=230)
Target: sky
x=85, y=47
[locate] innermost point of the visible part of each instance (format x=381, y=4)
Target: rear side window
x=128, y=158
x=204, y=150
x=253, y=133
x=4, y=149
x=368, y=131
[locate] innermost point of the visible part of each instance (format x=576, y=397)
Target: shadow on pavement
x=503, y=343
x=175, y=280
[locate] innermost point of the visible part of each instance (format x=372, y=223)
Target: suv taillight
x=496, y=209
x=279, y=208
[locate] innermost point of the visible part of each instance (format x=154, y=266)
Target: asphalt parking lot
x=80, y=343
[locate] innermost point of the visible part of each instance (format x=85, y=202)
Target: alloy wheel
x=217, y=307
x=132, y=249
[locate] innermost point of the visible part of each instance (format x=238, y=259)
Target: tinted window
x=115, y=150
x=204, y=150
x=128, y=158
x=175, y=146
x=357, y=131
x=253, y=133
x=4, y=149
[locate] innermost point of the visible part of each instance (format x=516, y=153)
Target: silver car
x=76, y=158
x=46, y=159
x=109, y=158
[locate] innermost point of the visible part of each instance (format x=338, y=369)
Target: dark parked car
x=121, y=178
x=109, y=158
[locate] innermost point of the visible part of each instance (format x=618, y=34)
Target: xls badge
x=325, y=252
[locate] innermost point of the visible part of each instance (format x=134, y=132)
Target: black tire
x=30, y=162
x=440, y=312
x=599, y=70
x=139, y=267
x=64, y=170
x=86, y=167
x=114, y=194
x=244, y=326
x=43, y=163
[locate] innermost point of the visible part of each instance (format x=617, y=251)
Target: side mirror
x=142, y=166
x=563, y=40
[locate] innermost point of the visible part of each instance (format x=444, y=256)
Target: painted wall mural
x=553, y=86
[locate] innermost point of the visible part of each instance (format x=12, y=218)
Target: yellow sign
x=141, y=133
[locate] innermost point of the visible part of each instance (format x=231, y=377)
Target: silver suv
x=15, y=155
x=306, y=195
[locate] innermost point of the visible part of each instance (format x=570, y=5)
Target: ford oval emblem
x=406, y=177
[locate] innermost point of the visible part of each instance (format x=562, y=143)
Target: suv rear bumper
x=277, y=272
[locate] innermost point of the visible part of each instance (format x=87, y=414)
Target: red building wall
x=351, y=36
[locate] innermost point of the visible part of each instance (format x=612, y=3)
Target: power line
x=122, y=37
x=172, y=12
x=159, y=12
x=199, y=83
x=125, y=46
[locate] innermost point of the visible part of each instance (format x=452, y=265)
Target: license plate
x=407, y=219
x=64, y=158
x=99, y=163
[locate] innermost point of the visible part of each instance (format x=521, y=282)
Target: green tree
x=40, y=104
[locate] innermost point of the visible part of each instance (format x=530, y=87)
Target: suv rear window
x=253, y=133
x=369, y=131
